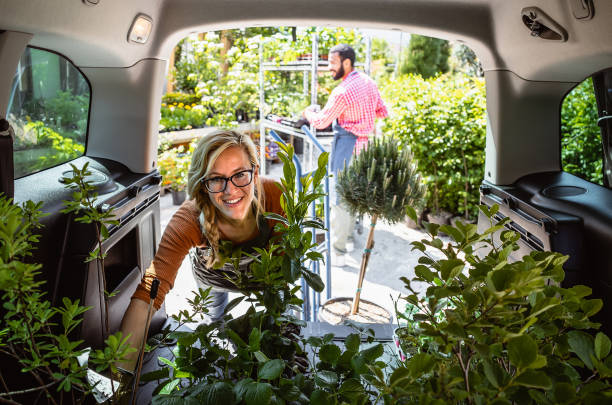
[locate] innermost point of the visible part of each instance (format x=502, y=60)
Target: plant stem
x=3, y=383
x=8, y=401
x=467, y=184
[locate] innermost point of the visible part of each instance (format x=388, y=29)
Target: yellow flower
x=187, y=107
x=181, y=105
x=163, y=104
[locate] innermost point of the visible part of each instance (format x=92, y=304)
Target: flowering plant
x=173, y=165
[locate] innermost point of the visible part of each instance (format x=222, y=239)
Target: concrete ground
x=390, y=259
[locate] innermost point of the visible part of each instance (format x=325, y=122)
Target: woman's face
x=234, y=203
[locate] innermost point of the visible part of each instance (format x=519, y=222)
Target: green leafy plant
x=259, y=357
x=35, y=335
x=442, y=120
x=85, y=204
x=173, y=165
x=581, y=148
x=382, y=182
x=498, y=331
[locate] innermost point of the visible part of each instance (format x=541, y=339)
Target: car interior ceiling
x=526, y=77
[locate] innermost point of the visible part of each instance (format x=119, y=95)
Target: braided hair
x=208, y=149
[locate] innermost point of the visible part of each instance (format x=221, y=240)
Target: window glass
x=48, y=109
x=581, y=147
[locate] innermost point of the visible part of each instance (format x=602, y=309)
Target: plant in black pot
x=382, y=183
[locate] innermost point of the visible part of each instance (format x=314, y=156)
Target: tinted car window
x=48, y=109
x=581, y=146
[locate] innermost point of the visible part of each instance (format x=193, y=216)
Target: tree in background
x=383, y=60
x=464, y=60
x=425, y=56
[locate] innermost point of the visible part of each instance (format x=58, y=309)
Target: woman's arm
x=133, y=324
x=181, y=233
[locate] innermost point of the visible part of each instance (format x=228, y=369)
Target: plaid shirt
x=355, y=103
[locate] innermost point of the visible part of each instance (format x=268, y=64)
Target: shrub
x=491, y=330
x=178, y=116
x=176, y=98
x=442, y=121
x=581, y=150
x=36, y=337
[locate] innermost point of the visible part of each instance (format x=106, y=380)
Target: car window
x=48, y=109
x=581, y=146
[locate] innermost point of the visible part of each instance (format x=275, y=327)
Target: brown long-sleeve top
x=181, y=234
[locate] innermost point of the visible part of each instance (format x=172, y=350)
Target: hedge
x=442, y=120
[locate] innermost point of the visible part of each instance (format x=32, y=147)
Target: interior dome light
x=140, y=29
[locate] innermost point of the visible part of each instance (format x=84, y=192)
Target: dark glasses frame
x=226, y=179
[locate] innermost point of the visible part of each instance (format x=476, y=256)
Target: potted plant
x=381, y=182
x=259, y=357
x=173, y=165
x=492, y=330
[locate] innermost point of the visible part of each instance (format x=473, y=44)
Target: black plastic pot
x=178, y=197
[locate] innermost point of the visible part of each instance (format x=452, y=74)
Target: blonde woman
x=226, y=200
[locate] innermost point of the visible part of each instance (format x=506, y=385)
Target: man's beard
x=340, y=73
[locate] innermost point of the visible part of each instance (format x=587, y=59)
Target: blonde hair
x=206, y=153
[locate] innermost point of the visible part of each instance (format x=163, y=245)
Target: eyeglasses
x=218, y=184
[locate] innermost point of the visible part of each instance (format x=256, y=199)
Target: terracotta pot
x=335, y=310
x=178, y=197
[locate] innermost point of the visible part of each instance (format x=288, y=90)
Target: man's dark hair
x=345, y=52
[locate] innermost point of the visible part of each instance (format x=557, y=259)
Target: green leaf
x=261, y=357
x=522, y=351
x=326, y=378
x=372, y=353
x=169, y=387
x=271, y=370
x=313, y=280
x=602, y=345
x=330, y=353
x=564, y=392
x=319, y=397
x=581, y=343
x=534, y=379
x=352, y=342
x=451, y=268
x=351, y=388
x=254, y=338
x=591, y=307
x=494, y=373
x=217, y=393
x=241, y=388
x=420, y=363
x=399, y=375
x=411, y=212
x=424, y=273
x=257, y=393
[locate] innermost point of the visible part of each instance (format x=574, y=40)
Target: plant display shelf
x=310, y=68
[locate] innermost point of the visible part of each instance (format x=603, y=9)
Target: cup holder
x=100, y=182
x=563, y=191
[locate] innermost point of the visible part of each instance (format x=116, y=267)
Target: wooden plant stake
x=364, y=264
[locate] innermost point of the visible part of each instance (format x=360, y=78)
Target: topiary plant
x=382, y=182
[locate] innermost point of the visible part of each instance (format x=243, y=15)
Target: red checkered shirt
x=355, y=103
